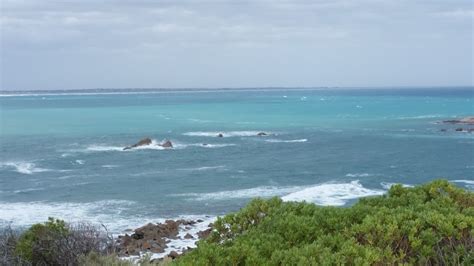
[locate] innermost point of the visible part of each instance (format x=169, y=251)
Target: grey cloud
x=212, y=43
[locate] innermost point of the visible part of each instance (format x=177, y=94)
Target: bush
x=431, y=224
x=57, y=243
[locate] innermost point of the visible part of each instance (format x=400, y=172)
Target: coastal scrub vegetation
x=431, y=224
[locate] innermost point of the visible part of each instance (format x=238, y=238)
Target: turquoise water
x=61, y=153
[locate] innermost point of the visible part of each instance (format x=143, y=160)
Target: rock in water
x=466, y=120
x=262, y=134
x=143, y=142
x=220, y=135
x=167, y=144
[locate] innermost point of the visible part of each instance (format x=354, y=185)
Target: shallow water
x=61, y=154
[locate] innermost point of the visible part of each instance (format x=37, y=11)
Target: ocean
x=62, y=151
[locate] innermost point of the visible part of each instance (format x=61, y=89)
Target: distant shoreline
x=131, y=91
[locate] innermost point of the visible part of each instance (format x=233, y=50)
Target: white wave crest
x=104, y=148
x=388, y=185
x=203, y=168
x=263, y=192
x=286, y=141
x=358, y=175
x=420, y=117
x=107, y=212
x=470, y=182
x=211, y=146
x=224, y=133
x=335, y=194
x=27, y=168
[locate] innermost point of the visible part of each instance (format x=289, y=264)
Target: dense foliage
x=54, y=243
x=431, y=224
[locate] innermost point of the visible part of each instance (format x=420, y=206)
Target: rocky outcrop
x=466, y=120
x=166, y=144
x=262, y=134
x=155, y=237
x=220, y=135
x=143, y=142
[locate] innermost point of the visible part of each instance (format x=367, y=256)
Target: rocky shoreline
x=466, y=121
x=167, y=240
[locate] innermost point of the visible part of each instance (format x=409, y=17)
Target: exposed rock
x=466, y=120
x=143, y=142
x=459, y=129
x=204, y=234
x=220, y=135
x=166, y=144
x=155, y=238
x=262, y=134
x=173, y=254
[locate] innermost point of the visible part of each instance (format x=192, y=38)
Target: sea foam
x=335, y=194
x=27, y=168
x=224, y=133
x=286, y=141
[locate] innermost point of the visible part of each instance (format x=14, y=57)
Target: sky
x=82, y=44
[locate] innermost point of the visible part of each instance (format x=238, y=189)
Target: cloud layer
x=75, y=44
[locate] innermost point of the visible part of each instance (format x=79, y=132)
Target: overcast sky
x=79, y=44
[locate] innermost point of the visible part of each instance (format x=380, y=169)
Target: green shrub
x=36, y=243
x=430, y=224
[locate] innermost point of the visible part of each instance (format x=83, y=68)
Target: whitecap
x=104, y=148
x=262, y=191
x=358, y=175
x=210, y=146
x=80, y=162
x=20, y=191
x=388, y=185
x=203, y=168
x=27, y=168
x=335, y=194
x=224, y=133
x=108, y=212
x=420, y=117
x=109, y=166
x=470, y=182
x=286, y=141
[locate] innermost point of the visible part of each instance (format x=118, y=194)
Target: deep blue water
x=61, y=153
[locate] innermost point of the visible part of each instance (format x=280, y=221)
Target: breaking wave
x=334, y=194
x=388, y=185
x=358, y=175
x=286, y=141
x=224, y=133
x=26, y=168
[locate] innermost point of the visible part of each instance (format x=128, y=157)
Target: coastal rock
x=220, y=135
x=466, y=120
x=143, y=142
x=173, y=254
x=155, y=237
x=204, y=234
x=459, y=129
x=167, y=144
x=262, y=134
